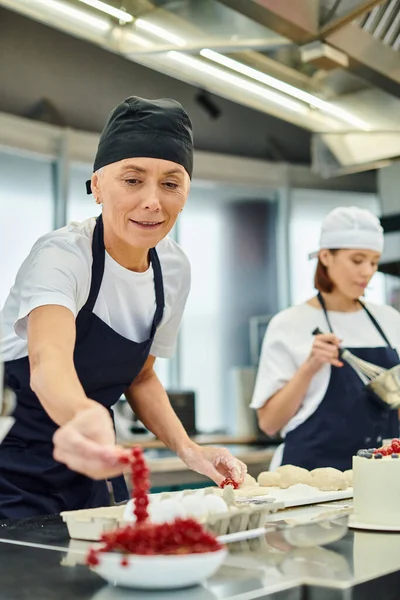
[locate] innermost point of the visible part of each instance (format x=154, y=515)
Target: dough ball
x=269, y=479
x=349, y=477
x=291, y=475
x=329, y=480
x=249, y=480
x=251, y=491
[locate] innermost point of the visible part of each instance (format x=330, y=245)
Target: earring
x=97, y=201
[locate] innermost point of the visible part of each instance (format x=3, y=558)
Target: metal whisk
x=365, y=370
x=385, y=383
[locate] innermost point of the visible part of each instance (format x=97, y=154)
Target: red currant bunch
x=140, y=485
x=229, y=481
x=183, y=536
x=396, y=445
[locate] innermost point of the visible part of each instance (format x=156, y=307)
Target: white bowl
x=159, y=571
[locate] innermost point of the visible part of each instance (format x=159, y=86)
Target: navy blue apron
x=348, y=418
x=31, y=481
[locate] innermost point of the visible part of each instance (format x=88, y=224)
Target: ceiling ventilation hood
x=361, y=37
x=330, y=66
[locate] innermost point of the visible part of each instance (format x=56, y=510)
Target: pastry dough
x=269, y=479
x=349, y=477
x=249, y=480
x=329, y=479
x=248, y=491
x=291, y=475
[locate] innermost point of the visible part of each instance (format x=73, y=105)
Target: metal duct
x=353, y=131
x=335, y=154
x=383, y=23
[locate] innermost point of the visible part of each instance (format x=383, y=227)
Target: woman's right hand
x=325, y=350
x=86, y=444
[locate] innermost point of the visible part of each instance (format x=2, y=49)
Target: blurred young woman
x=303, y=390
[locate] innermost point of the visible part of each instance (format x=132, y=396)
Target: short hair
x=322, y=281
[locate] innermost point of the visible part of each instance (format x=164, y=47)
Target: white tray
x=318, y=498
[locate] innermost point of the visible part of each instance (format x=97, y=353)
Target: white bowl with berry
x=160, y=571
x=151, y=555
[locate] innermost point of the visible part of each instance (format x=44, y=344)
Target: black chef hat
x=146, y=128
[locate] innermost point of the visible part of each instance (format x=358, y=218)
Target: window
x=228, y=234
x=26, y=211
x=201, y=367
x=81, y=205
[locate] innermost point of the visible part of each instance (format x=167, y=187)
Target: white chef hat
x=350, y=227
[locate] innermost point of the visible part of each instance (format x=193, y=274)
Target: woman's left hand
x=216, y=463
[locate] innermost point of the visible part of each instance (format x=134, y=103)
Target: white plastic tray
x=290, y=501
x=90, y=524
x=249, y=513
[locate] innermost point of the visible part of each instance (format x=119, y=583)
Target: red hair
x=322, y=281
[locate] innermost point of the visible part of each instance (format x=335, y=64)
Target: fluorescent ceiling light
x=239, y=82
x=75, y=13
x=110, y=10
x=160, y=32
x=277, y=84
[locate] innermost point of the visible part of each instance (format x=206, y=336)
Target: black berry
x=395, y=456
x=378, y=455
x=364, y=454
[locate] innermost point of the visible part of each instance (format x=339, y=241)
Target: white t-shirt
x=287, y=344
x=58, y=271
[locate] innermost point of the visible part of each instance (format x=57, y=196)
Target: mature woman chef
x=320, y=404
x=92, y=306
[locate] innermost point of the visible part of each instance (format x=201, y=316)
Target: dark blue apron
x=348, y=418
x=31, y=481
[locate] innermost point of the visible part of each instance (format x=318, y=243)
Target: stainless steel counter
x=38, y=561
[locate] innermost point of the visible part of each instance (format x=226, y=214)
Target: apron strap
x=323, y=306
x=119, y=487
x=159, y=290
x=98, y=253
x=374, y=321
